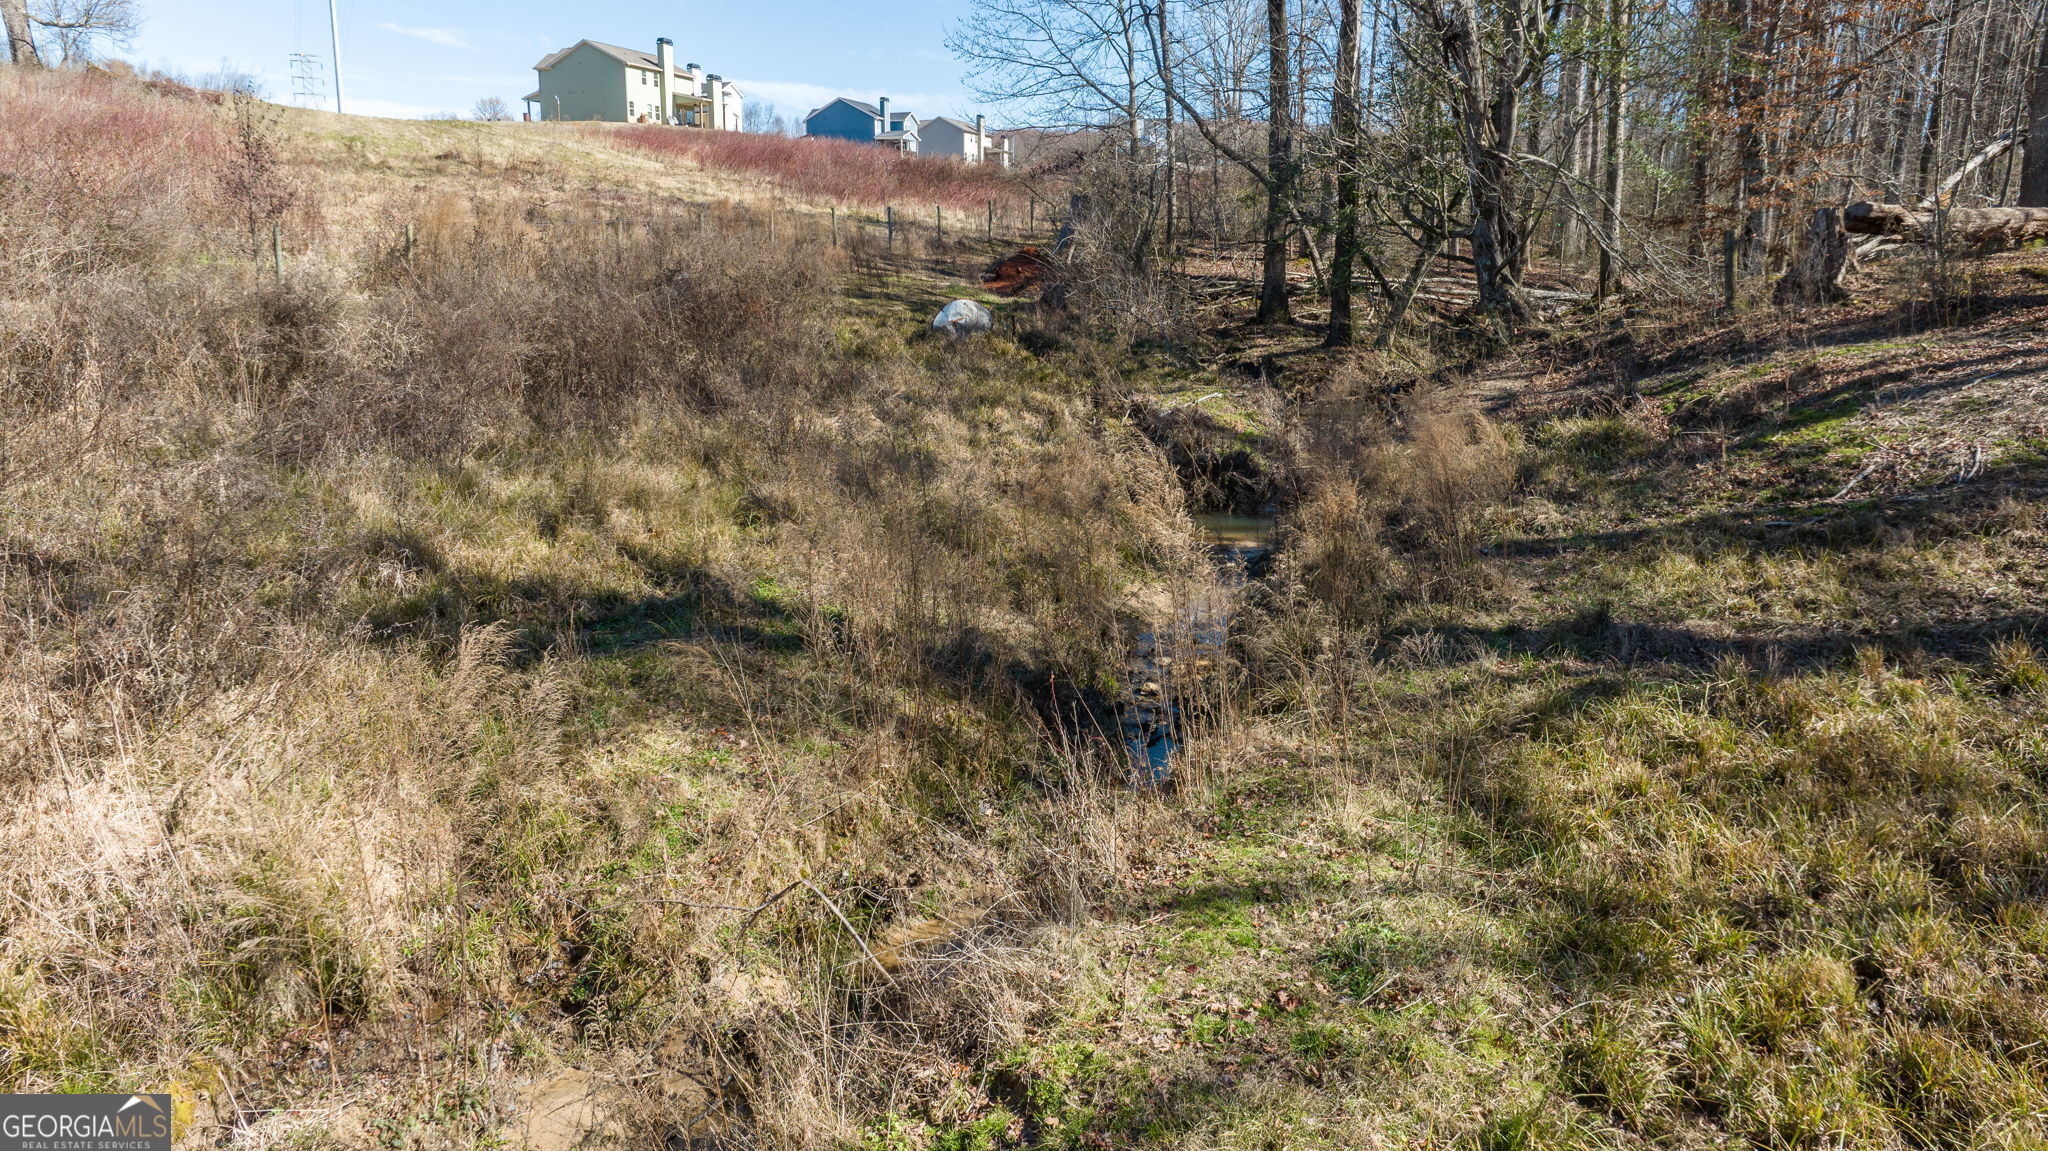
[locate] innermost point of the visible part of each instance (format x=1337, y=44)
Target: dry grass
x=603, y=655
x=388, y=641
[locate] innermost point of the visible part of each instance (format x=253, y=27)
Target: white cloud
x=445, y=37
x=795, y=97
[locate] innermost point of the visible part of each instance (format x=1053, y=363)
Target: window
x=629, y=108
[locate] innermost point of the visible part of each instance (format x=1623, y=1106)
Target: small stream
x=1165, y=672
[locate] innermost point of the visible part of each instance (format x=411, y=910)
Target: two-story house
x=593, y=81
x=845, y=119
x=974, y=143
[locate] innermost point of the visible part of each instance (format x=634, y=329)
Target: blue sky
x=413, y=57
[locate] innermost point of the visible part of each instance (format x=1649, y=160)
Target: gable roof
x=873, y=112
x=897, y=116
x=963, y=125
x=630, y=57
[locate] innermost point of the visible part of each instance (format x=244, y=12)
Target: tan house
x=974, y=143
x=594, y=81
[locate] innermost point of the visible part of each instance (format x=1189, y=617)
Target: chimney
x=980, y=137
x=715, y=88
x=883, y=104
x=665, y=57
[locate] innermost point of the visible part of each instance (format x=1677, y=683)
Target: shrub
x=843, y=171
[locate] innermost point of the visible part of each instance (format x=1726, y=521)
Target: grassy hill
x=597, y=672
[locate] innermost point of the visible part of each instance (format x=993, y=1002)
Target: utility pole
x=334, y=34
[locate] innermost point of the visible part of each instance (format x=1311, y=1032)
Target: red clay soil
x=1017, y=274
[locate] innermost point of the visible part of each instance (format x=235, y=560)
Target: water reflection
x=1166, y=671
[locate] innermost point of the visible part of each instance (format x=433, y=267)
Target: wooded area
x=1615, y=143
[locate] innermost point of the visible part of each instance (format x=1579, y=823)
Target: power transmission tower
x=309, y=80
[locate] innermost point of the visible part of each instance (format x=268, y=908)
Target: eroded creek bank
x=1172, y=674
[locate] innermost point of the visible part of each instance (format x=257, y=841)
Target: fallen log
x=1978, y=229
x=1939, y=197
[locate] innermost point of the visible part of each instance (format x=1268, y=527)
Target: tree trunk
x=1979, y=229
x=1499, y=245
x=1273, y=307
x=19, y=43
x=2034, y=172
x=1817, y=276
x=1344, y=118
x=1489, y=108
x=1617, y=144
x=1165, y=50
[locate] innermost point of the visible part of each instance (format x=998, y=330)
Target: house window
x=630, y=110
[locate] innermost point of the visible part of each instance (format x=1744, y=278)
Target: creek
x=1170, y=672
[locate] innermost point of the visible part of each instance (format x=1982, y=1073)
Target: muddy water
x=1166, y=671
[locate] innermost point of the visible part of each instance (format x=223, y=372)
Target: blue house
x=845, y=119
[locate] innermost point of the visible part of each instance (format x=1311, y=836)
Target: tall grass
x=386, y=641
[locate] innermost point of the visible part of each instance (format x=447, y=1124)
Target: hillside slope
x=597, y=672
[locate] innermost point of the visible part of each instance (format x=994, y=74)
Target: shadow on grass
x=1594, y=635
x=1815, y=525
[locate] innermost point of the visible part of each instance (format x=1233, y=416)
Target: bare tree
x=1488, y=58
x=1346, y=123
x=21, y=46
x=2034, y=173
x=491, y=109
x=81, y=27
x=1281, y=173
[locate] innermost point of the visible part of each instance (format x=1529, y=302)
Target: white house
x=974, y=143
x=590, y=80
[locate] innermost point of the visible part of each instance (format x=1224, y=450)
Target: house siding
x=592, y=85
x=841, y=121
x=592, y=81
x=939, y=138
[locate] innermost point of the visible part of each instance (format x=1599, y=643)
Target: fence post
x=1032, y=228
x=889, y=221
x=835, y=225
x=409, y=241
x=941, y=214
x=1728, y=267
x=277, y=249
x=991, y=220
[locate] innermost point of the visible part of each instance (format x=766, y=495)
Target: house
x=593, y=81
x=945, y=136
x=845, y=119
